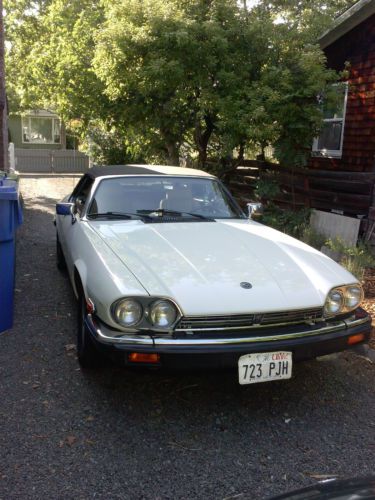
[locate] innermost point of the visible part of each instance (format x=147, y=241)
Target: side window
x=81, y=193
x=330, y=141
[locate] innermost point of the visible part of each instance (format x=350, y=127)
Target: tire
x=88, y=356
x=60, y=259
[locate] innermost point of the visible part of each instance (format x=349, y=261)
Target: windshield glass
x=183, y=195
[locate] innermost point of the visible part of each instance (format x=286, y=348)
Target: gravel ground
x=118, y=434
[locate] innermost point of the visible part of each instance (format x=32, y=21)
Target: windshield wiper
x=163, y=211
x=119, y=215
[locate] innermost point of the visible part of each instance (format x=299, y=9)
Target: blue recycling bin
x=10, y=218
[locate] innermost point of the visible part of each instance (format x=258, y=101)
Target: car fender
x=79, y=268
x=103, y=276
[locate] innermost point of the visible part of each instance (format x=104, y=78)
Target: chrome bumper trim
x=105, y=335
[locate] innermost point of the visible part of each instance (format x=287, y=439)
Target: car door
x=70, y=225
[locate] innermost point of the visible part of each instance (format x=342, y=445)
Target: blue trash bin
x=10, y=218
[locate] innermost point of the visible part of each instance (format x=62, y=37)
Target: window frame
x=26, y=122
x=333, y=153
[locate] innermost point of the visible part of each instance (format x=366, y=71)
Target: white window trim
x=28, y=124
x=333, y=153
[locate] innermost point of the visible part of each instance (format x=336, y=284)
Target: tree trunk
x=173, y=153
x=202, y=137
x=3, y=106
x=226, y=174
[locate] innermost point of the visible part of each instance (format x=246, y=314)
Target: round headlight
x=334, y=302
x=163, y=314
x=128, y=312
x=353, y=296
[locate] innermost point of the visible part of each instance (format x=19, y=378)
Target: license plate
x=264, y=367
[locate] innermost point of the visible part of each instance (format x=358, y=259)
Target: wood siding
x=358, y=48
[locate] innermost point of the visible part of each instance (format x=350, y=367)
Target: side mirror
x=254, y=210
x=64, y=208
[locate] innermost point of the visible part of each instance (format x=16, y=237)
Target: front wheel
x=88, y=356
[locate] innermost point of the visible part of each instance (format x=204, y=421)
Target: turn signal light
x=354, y=339
x=141, y=357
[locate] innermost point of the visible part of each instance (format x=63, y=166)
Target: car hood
x=201, y=265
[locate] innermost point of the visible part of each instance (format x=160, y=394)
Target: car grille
x=240, y=321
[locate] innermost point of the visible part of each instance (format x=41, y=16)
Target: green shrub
x=290, y=222
x=266, y=189
x=313, y=238
x=356, y=258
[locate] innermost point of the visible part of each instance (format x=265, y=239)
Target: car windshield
x=193, y=197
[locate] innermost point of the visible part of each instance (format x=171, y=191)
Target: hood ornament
x=246, y=285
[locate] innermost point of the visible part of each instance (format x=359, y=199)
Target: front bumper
x=222, y=349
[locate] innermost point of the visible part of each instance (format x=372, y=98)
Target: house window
x=41, y=130
x=330, y=141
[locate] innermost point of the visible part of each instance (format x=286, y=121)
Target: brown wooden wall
x=358, y=48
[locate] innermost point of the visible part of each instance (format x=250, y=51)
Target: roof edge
x=351, y=18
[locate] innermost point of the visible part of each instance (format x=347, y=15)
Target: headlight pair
x=131, y=312
x=343, y=299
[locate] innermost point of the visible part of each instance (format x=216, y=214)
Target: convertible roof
x=115, y=170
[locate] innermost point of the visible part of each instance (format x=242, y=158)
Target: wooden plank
x=342, y=186
x=331, y=185
x=329, y=205
x=354, y=200
x=334, y=174
x=241, y=186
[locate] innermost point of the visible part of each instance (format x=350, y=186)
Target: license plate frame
x=260, y=367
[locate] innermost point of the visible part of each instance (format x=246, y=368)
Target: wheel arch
x=79, y=279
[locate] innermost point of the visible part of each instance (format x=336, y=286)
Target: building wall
x=15, y=136
x=357, y=47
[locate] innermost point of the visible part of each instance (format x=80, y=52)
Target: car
x=170, y=272
x=360, y=488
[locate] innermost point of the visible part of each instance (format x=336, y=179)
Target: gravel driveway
x=118, y=434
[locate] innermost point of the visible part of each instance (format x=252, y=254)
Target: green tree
x=310, y=17
x=211, y=77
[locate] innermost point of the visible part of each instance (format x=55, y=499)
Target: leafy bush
x=290, y=222
x=355, y=259
x=313, y=238
x=266, y=189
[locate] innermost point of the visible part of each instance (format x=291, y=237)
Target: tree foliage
x=156, y=77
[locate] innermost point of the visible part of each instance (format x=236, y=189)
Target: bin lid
x=8, y=189
x=9, y=175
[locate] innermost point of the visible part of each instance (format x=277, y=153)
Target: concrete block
x=336, y=226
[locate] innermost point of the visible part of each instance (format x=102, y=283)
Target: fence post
x=12, y=158
x=306, y=187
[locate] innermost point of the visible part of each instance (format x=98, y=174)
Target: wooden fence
x=50, y=161
x=347, y=192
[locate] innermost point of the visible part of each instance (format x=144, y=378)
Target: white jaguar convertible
x=169, y=272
